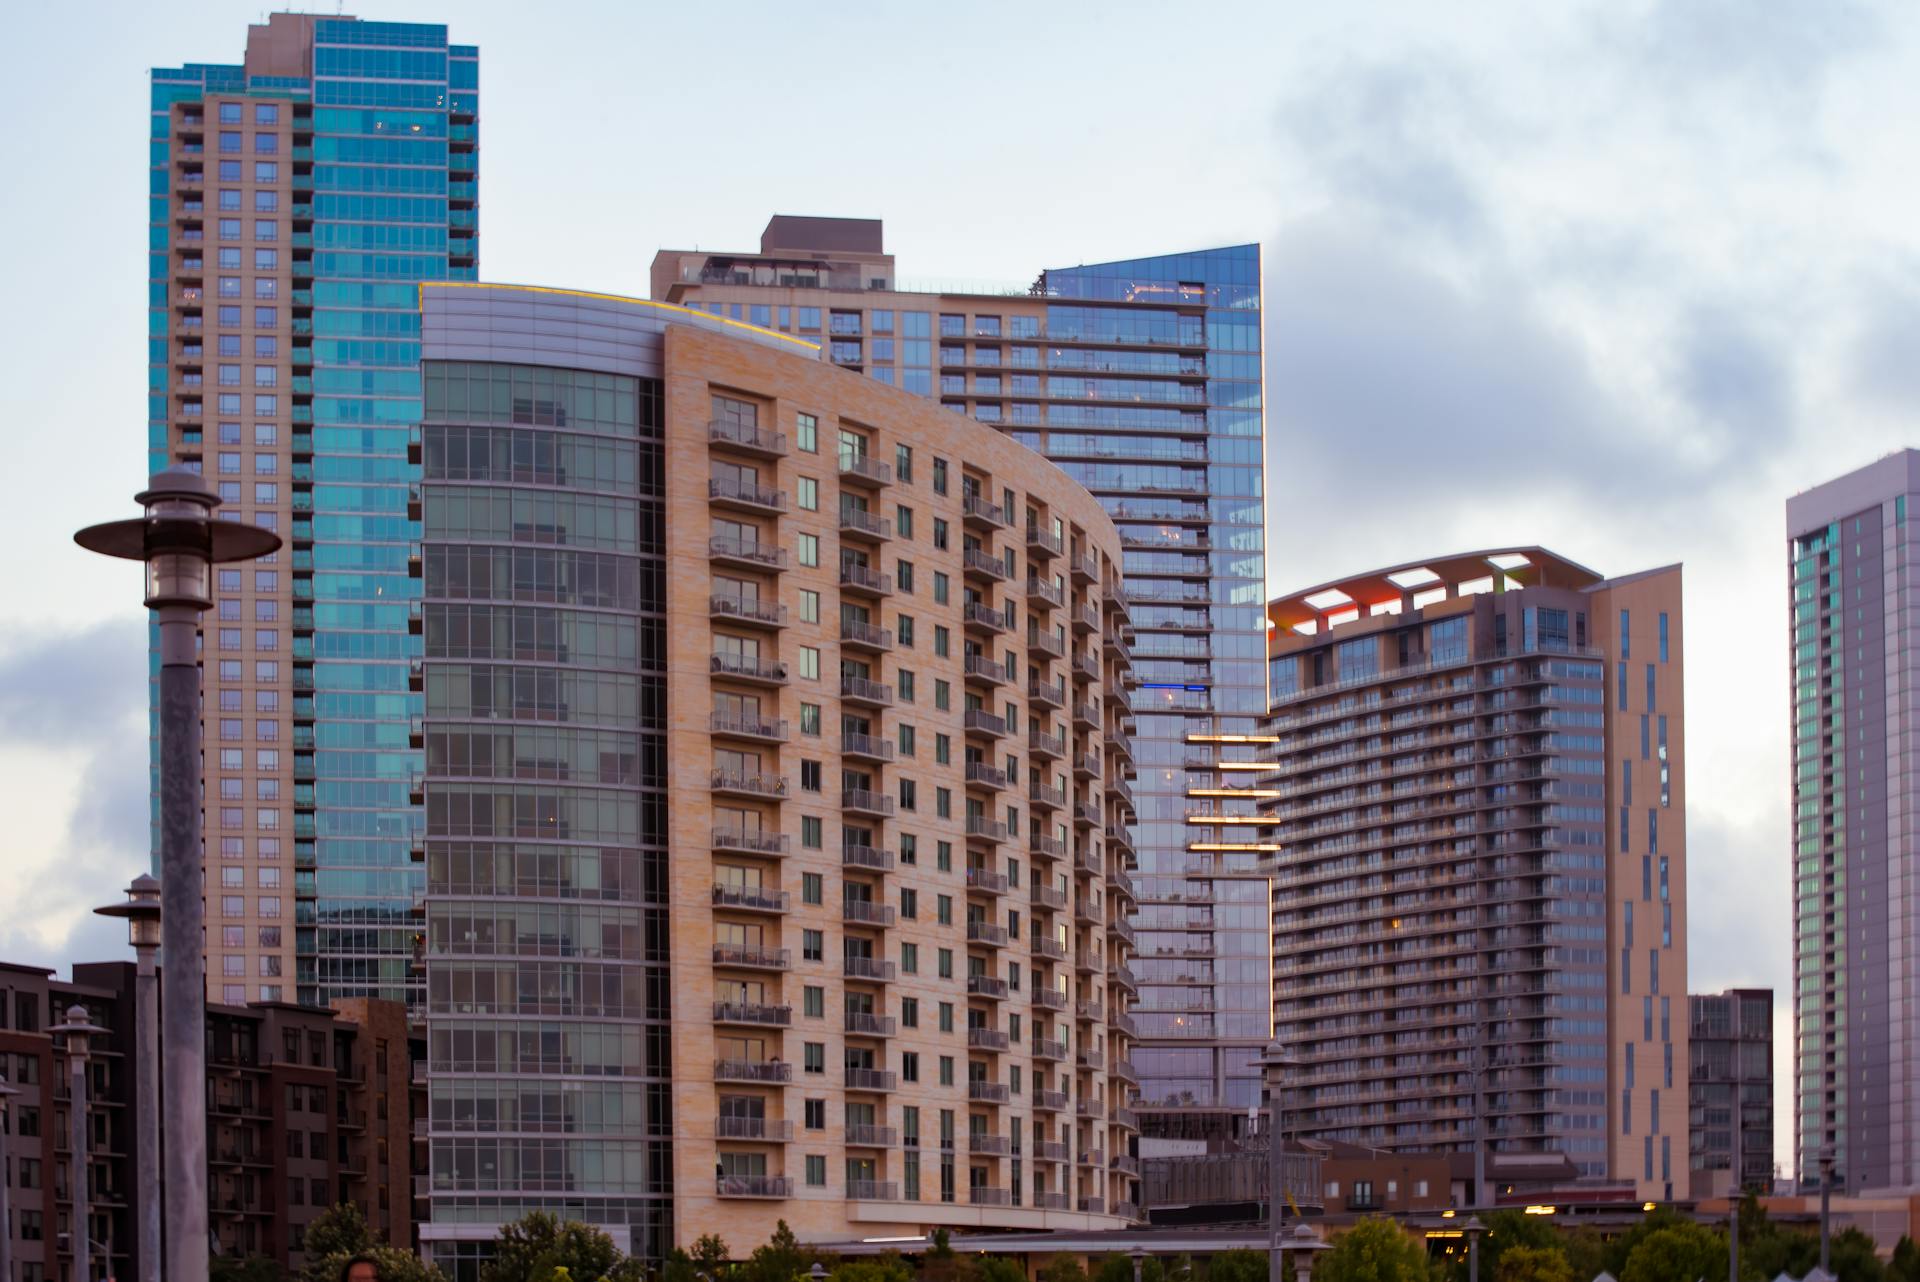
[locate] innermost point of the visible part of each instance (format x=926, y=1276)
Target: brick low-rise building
x=305, y=1109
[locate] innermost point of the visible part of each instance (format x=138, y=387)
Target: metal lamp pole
x=7, y=1092
x=79, y=1031
x=141, y=908
x=1275, y=1066
x=180, y=542
x=1473, y=1228
x=1826, y=1188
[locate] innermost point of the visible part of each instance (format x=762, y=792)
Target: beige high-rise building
x=776, y=793
x=1479, y=823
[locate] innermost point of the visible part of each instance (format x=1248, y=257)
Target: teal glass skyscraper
x=298, y=199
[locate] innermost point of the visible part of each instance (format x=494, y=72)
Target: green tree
x=941, y=1264
x=780, y=1258
x=1372, y=1251
x=1905, y=1264
x=998, y=1268
x=1508, y=1230
x=1063, y=1268
x=710, y=1254
x=1676, y=1253
x=1586, y=1253
x=1243, y=1266
x=880, y=1268
x=1533, y=1264
x=339, y=1233
x=537, y=1247
x=243, y=1268
x=1852, y=1257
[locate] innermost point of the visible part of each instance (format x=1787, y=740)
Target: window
x=809, y=606
x=807, y=493
x=942, y=640
x=813, y=1000
x=903, y=518
x=940, y=528
x=810, y=832
x=816, y=1114
x=946, y=1070
x=816, y=1170
x=810, y=782
x=813, y=1057
x=810, y=719
x=946, y=1017
x=903, y=575
x=943, y=963
x=807, y=549
x=943, y=909
x=909, y=959
x=909, y=902
x=903, y=464
x=910, y=1012
x=939, y=487
x=809, y=661
x=806, y=429
x=813, y=945
x=910, y=1066
x=812, y=888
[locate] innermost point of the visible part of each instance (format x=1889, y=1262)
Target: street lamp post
x=141, y=908
x=7, y=1092
x=1826, y=1189
x=1275, y=1066
x=1473, y=1228
x=180, y=542
x=78, y=1030
x=1139, y=1257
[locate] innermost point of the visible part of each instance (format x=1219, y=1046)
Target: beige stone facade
x=898, y=813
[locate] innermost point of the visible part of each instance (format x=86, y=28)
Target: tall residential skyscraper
x=297, y=200
x=1142, y=380
x=775, y=721
x=1856, y=873
x=1480, y=898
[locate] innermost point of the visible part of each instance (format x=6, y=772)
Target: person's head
x=361, y=1268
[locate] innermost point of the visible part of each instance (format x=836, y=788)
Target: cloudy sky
x=1650, y=265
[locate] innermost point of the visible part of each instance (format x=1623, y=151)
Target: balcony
x=1093, y=1206
x=866, y=747
x=978, y=667
x=871, y=1079
x=759, y=1186
x=747, y=496
x=1043, y=544
x=756, y=1013
x=1087, y=1008
x=725, y=725
x=987, y=1039
x=739, y=841
x=740, y=667
x=865, y=801
x=872, y=1190
x=1085, y=568
x=978, y=564
x=1052, y=1151
x=987, y=986
x=1049, y=999
x=863, y=469
x=981, y=828
x=1046, y=847
x=872, y=858
x=748, y=610
x=980, y=721
x=865, y=1023
x=871, y=1135
x=1050, y=1101
x=1045, y=642
x=1050, y=898
x=1041, y=797
x=738, y=958
x=982, y=618
x=986, y=934
x=752, y=1128
x=1049, y=1048
x=855, y=966
x=725, y=549
x=981, y=514
x=751, y=899
x=988, y=1195
x=1086, y=716
x=1041, y=592
x=1091, y=1059
x=745, y=438
x=864, y=912
x=1085, y=619
x=734, y=784
x=1048, y=948
x=987, y=882
x=858, y=523
x=861, y=580
x=752, y=1070
x=987, y=1145
x=988, y=1092
x=870, y=694
x=981, y=775
x=1045, y=747
x=856, y=634
x=1046, y=694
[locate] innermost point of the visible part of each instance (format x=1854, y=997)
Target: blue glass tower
x=298, y=200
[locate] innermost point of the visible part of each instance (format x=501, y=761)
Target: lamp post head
x=178, y=539
x=1826, y=1160
x=78, y=1029
x=817, y=1272
x=141, y=908
x=1473, y=1227
x=1276, y=1061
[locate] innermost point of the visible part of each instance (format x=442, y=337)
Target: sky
x=1615, y=279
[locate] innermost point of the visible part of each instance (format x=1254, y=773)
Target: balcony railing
x=746, y=437
x=728, y=489
x=867, y=636
x=752, y=1013
x=727, y=547
x=871, y=1079
x=752, y=1070
x=863, y=1023
x=757, y=843
x=768, y=1186
x=757, y=785
x=864, y=912
x=751, y=899
x=987, y=933
x=981, y=828
x=863, y=690
x=871, y=1135
x=752, y=958
x=853, y=855
x=987, y=1039
x=752, y=1128
x=747, y=609
x=986, y=986
x=866, y=801
x=987, y=881
x=872, y=1190
x=746, y=727
x=858, y=967
x=865, y=579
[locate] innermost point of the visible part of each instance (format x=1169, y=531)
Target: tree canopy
x=1372, y=1251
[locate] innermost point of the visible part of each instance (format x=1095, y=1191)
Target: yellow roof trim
x=620, y=298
